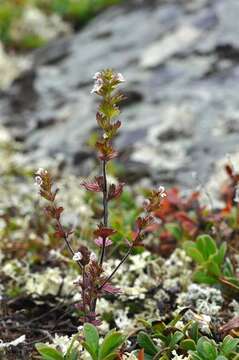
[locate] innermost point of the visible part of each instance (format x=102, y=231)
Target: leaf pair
x=108, y=349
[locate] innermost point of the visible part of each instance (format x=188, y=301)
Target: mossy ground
x=38, y=294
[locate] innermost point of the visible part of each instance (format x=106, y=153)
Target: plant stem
x=83, y=291
x=71, y=251
x=117, y=267
x=105, y=208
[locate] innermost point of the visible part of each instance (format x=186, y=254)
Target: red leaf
x=104, y=232
x=187, y=223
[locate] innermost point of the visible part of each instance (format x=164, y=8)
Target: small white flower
x=120, y=77
x=236, y=198
x=105, y=136
x=161, y=190
x=97, y=86
x=77, y=256
x=41, y=172
x=97, y=75
x=93, y=257
x=38, y=181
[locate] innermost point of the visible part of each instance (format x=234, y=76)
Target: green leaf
x=221, y=357
x=111, y=356
x=221, y=253
x=206, y=349
x=193, y=252
x=206, y=245
x=73, y=355
x=214, y=269
x=91, y=340
x=229, y=344
x=48, y=353
x=176, y=337
x=158, y=326
x=193, y=331
x=175, y=230
x=113, y=340
x=188, y=344
x=202, y=277
x=147, y=343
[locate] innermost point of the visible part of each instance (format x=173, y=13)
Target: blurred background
x=180, y=62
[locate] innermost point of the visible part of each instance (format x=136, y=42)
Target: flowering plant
x=94, y=282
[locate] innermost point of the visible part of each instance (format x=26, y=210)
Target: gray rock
x=180, y=62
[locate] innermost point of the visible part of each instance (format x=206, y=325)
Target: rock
x=172, y=44
x=10, y=68
x=182, y=80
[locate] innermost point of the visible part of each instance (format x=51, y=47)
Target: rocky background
x=180, y=61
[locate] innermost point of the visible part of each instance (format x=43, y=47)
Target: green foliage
x=49, y=353
x=8, y=13
x=212, y=268
x=78, y=12
x=107, y=350
x=172, y=338
x=207, y=349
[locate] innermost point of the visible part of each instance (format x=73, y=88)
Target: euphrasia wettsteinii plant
x=94, y=282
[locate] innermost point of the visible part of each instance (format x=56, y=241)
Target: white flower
x=236, y=198
x=38, y=181
x=93, y=257
x=97, y=76
x=161, y=190
x=39, y=175
x=41, y=172
x=120, y=77
x=97, y=86
x=77, y=256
